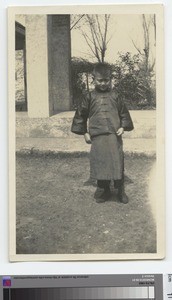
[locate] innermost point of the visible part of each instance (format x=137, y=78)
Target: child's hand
x=120, y=131
x=87, y=138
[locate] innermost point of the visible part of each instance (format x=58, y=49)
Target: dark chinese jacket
x=106, y=112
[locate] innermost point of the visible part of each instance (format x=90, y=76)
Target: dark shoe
x=117, y=183
x=123, y=198
x=102, y=195
x=90, y=182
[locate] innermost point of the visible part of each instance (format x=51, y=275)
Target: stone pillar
x=48, y=51
x=59, y=55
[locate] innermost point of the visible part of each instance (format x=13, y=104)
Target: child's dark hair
x=103, y=69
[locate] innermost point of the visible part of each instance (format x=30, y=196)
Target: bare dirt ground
x=56, y=211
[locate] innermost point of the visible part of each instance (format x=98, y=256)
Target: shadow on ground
x=56, y=212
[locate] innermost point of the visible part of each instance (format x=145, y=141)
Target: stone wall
x=59, y=125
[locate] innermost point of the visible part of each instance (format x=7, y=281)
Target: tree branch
x=76, y=22
x=137, y=48
x=93, y=50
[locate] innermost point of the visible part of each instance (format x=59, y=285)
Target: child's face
x=102, y=83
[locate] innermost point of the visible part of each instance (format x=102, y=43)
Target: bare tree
x=153, y=18
x=94, y=29
x=145, y=52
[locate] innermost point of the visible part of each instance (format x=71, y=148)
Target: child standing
x=108, y=119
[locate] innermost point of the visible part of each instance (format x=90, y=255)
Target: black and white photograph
x=86, y=132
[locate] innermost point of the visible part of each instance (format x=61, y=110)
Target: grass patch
x=56, y=212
